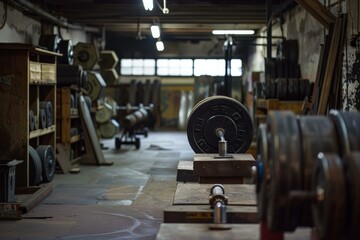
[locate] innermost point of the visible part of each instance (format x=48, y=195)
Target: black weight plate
x=47, y=106
x=291, y=89
x=50, y=42
x=47, y=157
x=302, y=89
x=219, y=112
x=281, y=88
x=318, y=134
x=262, y=159
x=329, y=214
x=35, y=167
x=352, y=163
x=31, y=120
x=66, y=49
x=42, y=118
x=285, y=170
x=296, y=89
x=268, y=89
x=273, y=89
x=348, y=128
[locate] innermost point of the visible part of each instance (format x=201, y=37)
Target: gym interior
x=177, y=119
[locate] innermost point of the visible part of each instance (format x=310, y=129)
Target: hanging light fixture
x=233, y=32
x=155, y=31
x=160, y=45
x=148, y=4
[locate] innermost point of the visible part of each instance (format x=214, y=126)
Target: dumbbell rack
x=28, y=77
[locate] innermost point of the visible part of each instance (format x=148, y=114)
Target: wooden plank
x=318, y=11
x=203, y=214
x=330, y=66
x=62, y=158
x=36, y=198
x=208, y=165
x=185, y=172
x=181, y=231
x=10, y=211
x=198, y=194
x=41, y=132
x=93, y=153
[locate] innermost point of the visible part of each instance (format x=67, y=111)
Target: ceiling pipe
x=37, y=10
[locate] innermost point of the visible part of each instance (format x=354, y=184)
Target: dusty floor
x=122, y=201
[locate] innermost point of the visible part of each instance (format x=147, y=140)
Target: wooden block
x=185, y=172
x=221, y=180
x=183, y=231
x=198, y=194
x=206, y=165
x=203, y=214
x=10, y=211
x=62, y=158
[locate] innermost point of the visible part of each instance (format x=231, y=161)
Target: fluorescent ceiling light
x=148, y=4
x=155, y=31
x=233, y=32
x=160, y=46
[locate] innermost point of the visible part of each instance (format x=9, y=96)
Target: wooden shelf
x=41, y=132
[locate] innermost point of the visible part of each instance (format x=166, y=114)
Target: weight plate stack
x=262, y=171
x=348, y=128
x=318, y=134
x=328, y=212
x=35, y=167
x=47, y=106
x=219, y=112
x=285, y=170
x=47, y=157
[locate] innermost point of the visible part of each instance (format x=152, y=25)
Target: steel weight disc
x=42, y=118
x=285, y=169
x=263, y=175
x=348, y=127
x=318, y=134
x=47, y=157
x=35, y=167
x=217, y=112
x=47, y=106
x=31, y=120
x=352, y=163
x=329, y=214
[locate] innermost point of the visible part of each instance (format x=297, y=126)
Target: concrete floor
x=122, y=201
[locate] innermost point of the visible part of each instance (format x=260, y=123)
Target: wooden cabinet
x=27, y=78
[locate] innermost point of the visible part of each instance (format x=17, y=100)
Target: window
x=137, y=67
x=175, y=67
x=179, y=67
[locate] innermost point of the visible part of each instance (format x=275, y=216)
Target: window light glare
x=148, y=4
x=233, y=32
x=160, y=46
x=155, y=31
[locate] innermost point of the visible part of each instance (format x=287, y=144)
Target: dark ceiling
x=186, y=18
